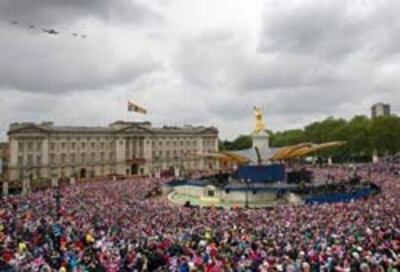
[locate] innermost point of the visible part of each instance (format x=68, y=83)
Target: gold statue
x=260, y=125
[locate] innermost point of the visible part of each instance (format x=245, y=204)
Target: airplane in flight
x=51, y=31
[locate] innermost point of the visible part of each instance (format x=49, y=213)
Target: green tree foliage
x=288, y=137
x=327, y=130
x=385, y=132
x=241, y=142
x=357, y=136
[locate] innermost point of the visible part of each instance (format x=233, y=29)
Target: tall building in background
x=124, y=148
x=380, y=109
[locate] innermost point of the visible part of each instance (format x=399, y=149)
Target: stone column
x=45, y=158
x=114, y=178
x=5, y=188
x=13, y=153
x=147, y=150
x=177, y=171
x=128, y=147
x=375, y=157
x=72, y=181
x=137, y=147
x=120, y=156
x=158, y=173
x=26, y=186
x=330, y=161
x=54, y=182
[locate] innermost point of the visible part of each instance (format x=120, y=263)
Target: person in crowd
x=126, y=225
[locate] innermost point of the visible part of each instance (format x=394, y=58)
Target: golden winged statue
x=260, y=125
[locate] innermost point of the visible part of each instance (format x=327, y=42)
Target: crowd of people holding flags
x=127, y=225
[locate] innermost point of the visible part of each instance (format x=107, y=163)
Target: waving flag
x=133, y=107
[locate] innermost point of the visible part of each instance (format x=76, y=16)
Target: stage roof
x=270, y=154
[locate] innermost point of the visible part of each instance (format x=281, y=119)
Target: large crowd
x=127, y=226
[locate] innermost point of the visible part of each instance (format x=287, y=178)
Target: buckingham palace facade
x=122, y=148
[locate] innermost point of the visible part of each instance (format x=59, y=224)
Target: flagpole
x=126, y=111
x=126, y=107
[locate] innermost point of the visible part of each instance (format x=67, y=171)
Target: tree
x=288, y=137
x=327, y=130
x=357, y=136
x=241, y=142
x=385, y=131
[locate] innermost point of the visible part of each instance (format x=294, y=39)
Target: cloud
x=59, y=11
x=323, y=28
x=34, y=62
x=205, y=59
x=310, y=59
x=328, y=29
x=204, y=63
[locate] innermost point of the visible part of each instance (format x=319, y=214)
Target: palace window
x=38, y=160
x=63, y=156
x=30, y=146
x=39, y=147
x=52, y=158
x=20, y=147
x=20, y=160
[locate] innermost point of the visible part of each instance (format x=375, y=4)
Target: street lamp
x=57, y=196
x=247, y=193
x=247, y=182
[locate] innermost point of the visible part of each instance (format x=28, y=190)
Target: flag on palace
x=133, y=107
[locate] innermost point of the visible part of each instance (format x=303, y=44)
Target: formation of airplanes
x=50, y=31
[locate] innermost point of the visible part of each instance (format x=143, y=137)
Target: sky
x=199, y=62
